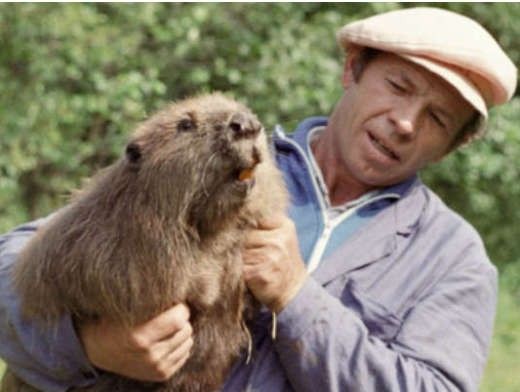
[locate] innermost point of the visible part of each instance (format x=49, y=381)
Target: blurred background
x=76, y=79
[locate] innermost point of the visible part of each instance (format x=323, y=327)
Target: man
x=376, y=284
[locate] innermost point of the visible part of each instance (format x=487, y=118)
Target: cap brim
x=442, y=36
x=462, y=84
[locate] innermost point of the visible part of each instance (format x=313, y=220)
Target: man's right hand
x=152, y=351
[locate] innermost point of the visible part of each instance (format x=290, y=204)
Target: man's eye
x=396, y=86
x=437, y=119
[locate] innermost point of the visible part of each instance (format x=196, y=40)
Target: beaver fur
x=163, y=225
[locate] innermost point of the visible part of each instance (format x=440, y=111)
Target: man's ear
x=467, y=139
x=469, y=134
x=349, y=69
x=461, y=143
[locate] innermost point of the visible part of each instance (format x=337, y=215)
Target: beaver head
x=197, y=160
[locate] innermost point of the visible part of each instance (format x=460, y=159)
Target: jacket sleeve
x=48, y=358
x=348, y=344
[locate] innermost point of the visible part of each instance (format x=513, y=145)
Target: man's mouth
x=383, y=148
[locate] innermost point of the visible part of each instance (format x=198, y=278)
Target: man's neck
x=341, y=185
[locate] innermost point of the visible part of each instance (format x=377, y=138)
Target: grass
x=503, y=369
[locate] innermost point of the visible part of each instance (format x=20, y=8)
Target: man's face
x=393, y=121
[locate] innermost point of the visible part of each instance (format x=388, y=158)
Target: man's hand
x=152, y=351
x=273, y=268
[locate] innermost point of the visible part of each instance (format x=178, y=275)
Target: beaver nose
x=244, y=125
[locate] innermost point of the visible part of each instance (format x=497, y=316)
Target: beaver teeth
x=246, y=174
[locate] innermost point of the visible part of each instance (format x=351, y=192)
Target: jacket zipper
x=320, y=246
x=328, y=226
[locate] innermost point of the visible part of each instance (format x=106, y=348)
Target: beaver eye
x=133, y=152
x=185, y=125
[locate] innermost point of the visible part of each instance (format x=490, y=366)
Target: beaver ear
x=133, y=153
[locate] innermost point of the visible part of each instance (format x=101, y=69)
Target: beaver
x=163, y=225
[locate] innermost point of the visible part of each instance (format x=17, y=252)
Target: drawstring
x=250, y=339
x=249, y=342
x=273, y=326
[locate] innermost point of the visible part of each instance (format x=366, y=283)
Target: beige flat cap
x=450, y=45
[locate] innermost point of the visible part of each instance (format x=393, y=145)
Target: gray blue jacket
x=403, y=299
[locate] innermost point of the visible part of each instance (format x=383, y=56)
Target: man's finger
x=255, y=272
x=260, y=237
x=271, y=222
x=166, y=324
x=254, y=239
x=175, y=342
x=177, y=363
x=253, y=256
x=180, y=354
x=173, y=361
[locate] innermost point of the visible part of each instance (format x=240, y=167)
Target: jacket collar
x=301, y=132
x=377, y=240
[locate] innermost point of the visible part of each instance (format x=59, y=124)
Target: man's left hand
x=273, y=268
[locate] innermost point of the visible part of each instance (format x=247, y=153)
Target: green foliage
x=502, y=372
x=76, y=78
x=482, y=182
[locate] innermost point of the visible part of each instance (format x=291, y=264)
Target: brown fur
x=161, y=226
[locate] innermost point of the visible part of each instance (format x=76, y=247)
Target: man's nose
x=406, y=119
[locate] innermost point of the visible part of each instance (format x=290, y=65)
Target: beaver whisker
x=205, y=172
